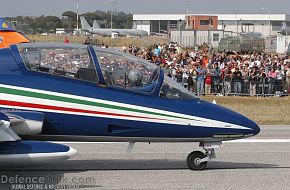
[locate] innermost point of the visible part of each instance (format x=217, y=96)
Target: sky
x=57, y=7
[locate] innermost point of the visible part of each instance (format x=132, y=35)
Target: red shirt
x=66, y=40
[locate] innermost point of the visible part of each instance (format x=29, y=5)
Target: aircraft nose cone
x=253, y=128
x=250, y=128
x=256, y=129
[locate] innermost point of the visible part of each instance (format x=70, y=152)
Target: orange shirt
x=205, y=62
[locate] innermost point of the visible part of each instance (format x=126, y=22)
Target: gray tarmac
x=261, y=164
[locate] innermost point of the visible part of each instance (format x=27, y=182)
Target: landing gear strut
x=197, y=160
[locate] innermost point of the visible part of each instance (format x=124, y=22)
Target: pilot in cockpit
x=135, y=77
x=135, y=81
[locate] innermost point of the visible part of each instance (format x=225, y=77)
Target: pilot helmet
x=135, y=77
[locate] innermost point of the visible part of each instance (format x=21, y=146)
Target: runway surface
x=261, y=162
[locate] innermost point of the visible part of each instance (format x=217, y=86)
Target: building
x=266, y=24
x=204, y=22
x=61, y=31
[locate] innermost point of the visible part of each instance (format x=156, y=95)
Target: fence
x=189, y=38
x=262, y=87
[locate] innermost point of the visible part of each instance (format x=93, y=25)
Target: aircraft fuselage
x=78, y=108
x=70, y=92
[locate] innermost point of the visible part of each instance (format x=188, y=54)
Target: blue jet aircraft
x=67, y=92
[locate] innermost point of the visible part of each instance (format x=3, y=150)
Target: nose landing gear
x=197, y=160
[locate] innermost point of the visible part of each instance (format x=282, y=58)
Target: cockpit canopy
x=124, y=71
x=117, y=69
x=66, y=61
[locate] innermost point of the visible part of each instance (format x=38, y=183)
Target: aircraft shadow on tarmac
x=154, y=164
x=58, y=170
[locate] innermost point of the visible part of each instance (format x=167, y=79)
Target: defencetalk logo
x=4, y=25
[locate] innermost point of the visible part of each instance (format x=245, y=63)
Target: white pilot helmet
x=135, y=76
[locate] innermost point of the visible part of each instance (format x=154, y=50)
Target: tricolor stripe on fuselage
x=47, y=101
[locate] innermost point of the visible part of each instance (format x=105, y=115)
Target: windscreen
x=172, y=90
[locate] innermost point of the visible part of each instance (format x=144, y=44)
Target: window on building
x=216, y=37
x=68, y=62
x=204, y=22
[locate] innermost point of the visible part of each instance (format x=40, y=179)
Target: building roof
x=229, y=16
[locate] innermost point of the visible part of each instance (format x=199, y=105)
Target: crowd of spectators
x=63, y=60
x=202, y=71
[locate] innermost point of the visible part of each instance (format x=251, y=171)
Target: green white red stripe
x=47, y=101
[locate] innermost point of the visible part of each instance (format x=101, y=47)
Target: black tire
x=191, y=160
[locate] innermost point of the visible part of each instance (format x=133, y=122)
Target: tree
x=51, y=23
x=38, y=24
x=69, y=19
x=72, y=16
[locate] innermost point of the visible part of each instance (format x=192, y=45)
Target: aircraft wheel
x=192, y=159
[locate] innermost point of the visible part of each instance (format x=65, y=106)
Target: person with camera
x=237, y=80
x=216, y=78
x=246, y=80
x=272, y=76
x=254, y=78
x=200, y=79
x=263, y=81
x=192, y=76
x=227, y=79
x=208, y=79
